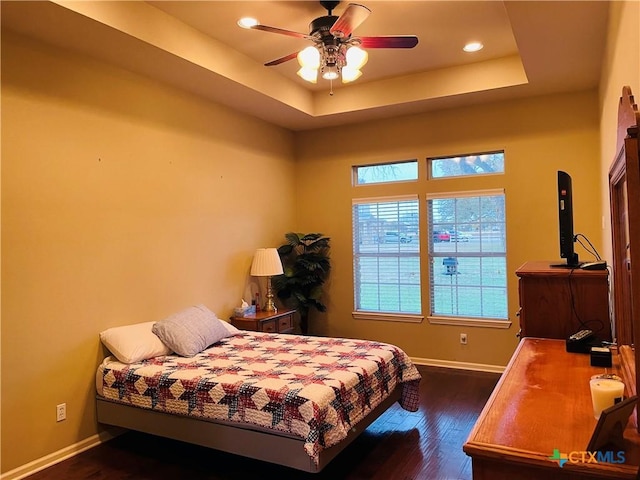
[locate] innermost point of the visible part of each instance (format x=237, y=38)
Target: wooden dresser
x=557, y=302
x=541, y=404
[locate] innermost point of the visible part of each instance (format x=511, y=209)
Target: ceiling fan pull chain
x=331, y=87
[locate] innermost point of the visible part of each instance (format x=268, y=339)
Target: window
x=386, y=256
x=476, y=164
x=386, y=173
x=467, y=252
x=463, y=244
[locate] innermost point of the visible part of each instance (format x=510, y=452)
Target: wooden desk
x=542, y=403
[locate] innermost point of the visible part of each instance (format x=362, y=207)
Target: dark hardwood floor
x=425, y=445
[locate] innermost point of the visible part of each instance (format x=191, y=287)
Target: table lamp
x=266, y=263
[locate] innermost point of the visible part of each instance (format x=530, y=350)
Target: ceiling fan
x=335, y=52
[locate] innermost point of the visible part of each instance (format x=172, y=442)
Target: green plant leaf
x=306, y=265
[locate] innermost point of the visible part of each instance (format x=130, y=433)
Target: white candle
x=605, y=392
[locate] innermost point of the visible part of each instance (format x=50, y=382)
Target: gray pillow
x=190, y=331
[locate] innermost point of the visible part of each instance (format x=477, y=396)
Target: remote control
x=580, y=335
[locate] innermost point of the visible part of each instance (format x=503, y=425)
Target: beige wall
x=122, y=201
x=539, y=136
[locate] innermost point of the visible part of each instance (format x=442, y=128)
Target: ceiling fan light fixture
x=308, y=74
x=356, y=58
x=335, y=53
x=350, y=74
x=309, y=58
x=330, y=72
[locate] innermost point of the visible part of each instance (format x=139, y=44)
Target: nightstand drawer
x=285, y=323
x=269, y=326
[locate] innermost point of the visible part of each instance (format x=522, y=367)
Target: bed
x=287, y=399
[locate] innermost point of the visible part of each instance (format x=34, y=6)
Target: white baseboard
x=478, y=367
x=56, y=457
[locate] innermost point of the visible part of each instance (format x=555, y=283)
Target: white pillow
x=133, y=343
x=191, y=331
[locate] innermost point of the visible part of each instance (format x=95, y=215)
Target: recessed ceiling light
x=473, y=47
x=247, y=22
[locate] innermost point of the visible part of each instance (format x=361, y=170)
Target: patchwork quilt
x=315, y=388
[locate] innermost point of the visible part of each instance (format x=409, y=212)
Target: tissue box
x=244, y=311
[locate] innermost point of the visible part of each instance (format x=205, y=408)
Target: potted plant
x=306, y=265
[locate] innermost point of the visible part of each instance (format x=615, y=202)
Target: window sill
x=388, y=317
x=470, y=322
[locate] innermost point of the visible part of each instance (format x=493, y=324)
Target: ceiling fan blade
x=280, y=60
x=389, y=41
x=350, y=19
x=281, y=31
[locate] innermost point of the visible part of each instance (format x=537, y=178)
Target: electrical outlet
x=463, y=338
x=61, y=412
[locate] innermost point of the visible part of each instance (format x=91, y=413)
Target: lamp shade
x=308, y=74
x=309, y=58
x=330, y=72
x=356, y=57
x=350, y=74
x=266, y=263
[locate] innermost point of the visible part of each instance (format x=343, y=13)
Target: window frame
x=360, y=314
x=435, y=319
x=430, y=175
x=424, y=181
x=354, y=173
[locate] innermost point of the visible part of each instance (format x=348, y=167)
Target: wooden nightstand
x=271, y=322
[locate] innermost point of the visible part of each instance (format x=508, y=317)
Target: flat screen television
x=565, y=222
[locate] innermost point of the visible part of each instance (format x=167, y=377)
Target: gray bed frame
x=240, y=439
